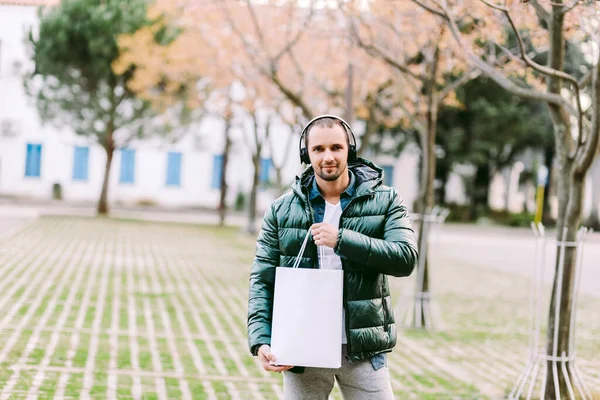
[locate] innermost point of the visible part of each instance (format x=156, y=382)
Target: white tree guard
x=409, y=307
x=539, y=358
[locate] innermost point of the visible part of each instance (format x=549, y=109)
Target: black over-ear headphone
x=304, y=158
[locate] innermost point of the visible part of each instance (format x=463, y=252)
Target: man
x=364, y=229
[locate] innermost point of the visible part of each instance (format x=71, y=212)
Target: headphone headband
x=304, y=158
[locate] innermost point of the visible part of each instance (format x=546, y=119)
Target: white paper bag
x=307, y=316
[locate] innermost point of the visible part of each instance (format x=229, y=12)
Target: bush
x=522, y=219
x=57, y=191
x=505, y=218
x=462, y=213
x=145, y=203
x=240, y=201
x=458, y=213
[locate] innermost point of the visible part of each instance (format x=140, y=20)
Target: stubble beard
x=330, y=177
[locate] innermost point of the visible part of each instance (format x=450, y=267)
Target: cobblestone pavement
x=97, y=308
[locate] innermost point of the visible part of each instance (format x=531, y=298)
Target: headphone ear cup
x=351, y=153
x=304, y=156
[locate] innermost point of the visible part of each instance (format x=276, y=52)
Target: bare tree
x=428, y=82
x=222, y=208
x=577, y=143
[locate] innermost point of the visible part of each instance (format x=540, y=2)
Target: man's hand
x=265, y=356
x=324, y=234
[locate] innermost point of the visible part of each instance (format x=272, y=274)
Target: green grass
x=197, y=389
x=74, y=385
x=49, y=384
x=81, y=353
x=484, y=310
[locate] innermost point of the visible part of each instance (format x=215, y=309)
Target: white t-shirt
x=330, y=260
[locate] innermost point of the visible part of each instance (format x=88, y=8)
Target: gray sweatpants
x=357, y=381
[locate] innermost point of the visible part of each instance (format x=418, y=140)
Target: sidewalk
x=27, y=209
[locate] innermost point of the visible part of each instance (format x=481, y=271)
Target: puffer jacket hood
x=368, y=177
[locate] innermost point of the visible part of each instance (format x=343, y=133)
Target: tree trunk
x=570, y=197
x=278, y=166
x=558, y=339
x=223, y=184
x=424, y=307
x=507, y=194
x=443, y=174
x=103, y=202
x=256, y=174
x=279, y=179
x=422, y=172
x=349, y=114
x=253, y=194
x=593, y=220
x=370, y=129
x=480, y=191
x=549, y=155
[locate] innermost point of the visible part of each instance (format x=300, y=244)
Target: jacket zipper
x=384, y=306
x=311, y=219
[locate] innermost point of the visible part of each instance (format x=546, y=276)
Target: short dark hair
x=326, y=122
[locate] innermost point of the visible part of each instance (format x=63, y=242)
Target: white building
x=35, y=157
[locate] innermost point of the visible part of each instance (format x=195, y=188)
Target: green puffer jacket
x=375, y=240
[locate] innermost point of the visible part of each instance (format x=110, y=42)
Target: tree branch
x=257, y=25
x=498, y=77
x=431, y=10
x=586, y=79
x=271, y=72
x=247, y=46
x=543, y=69
x=376, y=52
x=494, y=6
x=591, y=147
x=293, y=42
x=542, y=12
x=297, y=66
x=512, y=55
x=540, y=68
x=569, y=7
x=466, y=77
x=293, y=97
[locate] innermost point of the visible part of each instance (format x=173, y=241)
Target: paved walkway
x=513, y=250
x=98, y=308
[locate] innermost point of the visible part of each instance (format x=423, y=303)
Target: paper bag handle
x=303, y=247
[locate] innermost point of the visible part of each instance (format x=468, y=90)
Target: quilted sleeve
x=396, y=254
x=262, y=281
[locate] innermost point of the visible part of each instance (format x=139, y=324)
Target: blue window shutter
x=33, y=161
x=265, y=169
x=174, y=169
x=127, y=166
x=29, y=160
x=80, y=163
x=217, y=171
x=388, y=175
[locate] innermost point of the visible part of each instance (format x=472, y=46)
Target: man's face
x=328, y=151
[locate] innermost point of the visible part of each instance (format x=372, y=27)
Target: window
x=33, y=163
x=173, y=169
x=80, y=163
x=217, y=171
x=388, y=175
x=265, y=169
x=127, y=166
